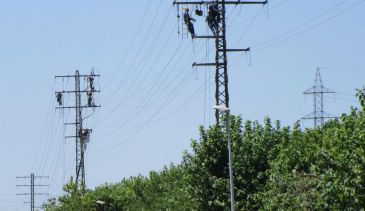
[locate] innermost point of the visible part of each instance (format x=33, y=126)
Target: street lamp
x=101, y=203
x=223, y=108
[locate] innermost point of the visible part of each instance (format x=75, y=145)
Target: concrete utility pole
x=81, y=135
x=32, y=186
x=221, y=75
x=318, y=90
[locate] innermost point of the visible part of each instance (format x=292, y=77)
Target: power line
x=167, y=99
x=155, y=85
x=51, y=134
x=46, y=125
x=130, y=69
x=48, y=140
x=151, y=96
x=131, y=43
x=249, y=26
x=254, y=16
x=61, y=147
x=159, y=54
x=140, y=67
x=144, y=126
x=130, y=91
x=341, y=99
x=301, y=25
x=344, y=70
x=294, y=32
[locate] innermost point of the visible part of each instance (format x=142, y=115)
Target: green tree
x=207, y=165
x=275, y=168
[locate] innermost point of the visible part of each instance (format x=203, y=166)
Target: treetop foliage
x=275, y=168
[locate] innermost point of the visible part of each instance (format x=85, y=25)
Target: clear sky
x=152, y=99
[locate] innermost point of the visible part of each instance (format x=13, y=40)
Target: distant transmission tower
x=32, y=192
x=318, y=90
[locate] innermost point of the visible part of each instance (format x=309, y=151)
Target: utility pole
x=82, y=135
x=318, y=90
x=32, y=186
x=221, y=74
x=221, y=61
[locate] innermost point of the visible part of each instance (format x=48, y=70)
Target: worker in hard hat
x=213, y=18
x=59, y=98
x=189, y=24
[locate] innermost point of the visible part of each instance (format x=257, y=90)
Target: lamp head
x=100, y=202
x=221, y=107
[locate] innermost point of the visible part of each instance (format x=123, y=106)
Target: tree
x=275, y=168
x=207, y=165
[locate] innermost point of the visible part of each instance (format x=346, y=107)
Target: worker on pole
x=59, y=98
x=188, y=23
x=213, y=18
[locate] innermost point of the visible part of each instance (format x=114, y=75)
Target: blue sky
x=152, y=99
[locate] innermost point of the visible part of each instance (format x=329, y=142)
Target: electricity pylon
x=81, y=135
x=221, y=74
x=221, y=61
x=32, y=192
x=318, y=90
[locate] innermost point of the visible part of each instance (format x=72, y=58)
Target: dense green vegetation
x=274, y=168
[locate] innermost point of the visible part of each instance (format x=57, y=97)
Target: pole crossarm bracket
x=311, y=117
x=313, y=90
x=84, y=91
x=69, y=107
x=23, y=194
x=325, y=115
x=73, y=76
x=205, y=64
x=237, y=50
x=28, y=194
x=217, y=2
x=206, y=37
x=70, y=123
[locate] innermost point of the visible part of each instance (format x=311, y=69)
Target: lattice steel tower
x=221, y=74
x=318, y=90
x=81, y=134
